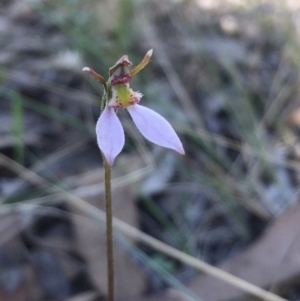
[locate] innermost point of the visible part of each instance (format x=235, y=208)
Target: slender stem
x=109, y=231
x=109, y=216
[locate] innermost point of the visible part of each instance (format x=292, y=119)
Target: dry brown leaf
x=272, y=262
x=294, y=118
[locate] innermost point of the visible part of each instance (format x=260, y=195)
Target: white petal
x=155, y=128
x=110, y=134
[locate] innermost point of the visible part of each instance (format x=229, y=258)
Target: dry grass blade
x=138, y=235
x=173, y=77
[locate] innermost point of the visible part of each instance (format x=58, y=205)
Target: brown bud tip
x=95, y=75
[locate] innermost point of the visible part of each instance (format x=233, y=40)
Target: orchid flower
x=109, y=131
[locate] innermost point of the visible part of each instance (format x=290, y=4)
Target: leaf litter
x=239, y=68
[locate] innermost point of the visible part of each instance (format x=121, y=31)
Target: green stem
x=109, y=231
x=109, y=217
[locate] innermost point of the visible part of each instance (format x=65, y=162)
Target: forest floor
x=226, y=76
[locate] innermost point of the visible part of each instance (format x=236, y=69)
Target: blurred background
x=225, y=73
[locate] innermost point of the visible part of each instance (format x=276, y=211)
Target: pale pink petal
x=155, y=128
x=110, y=134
